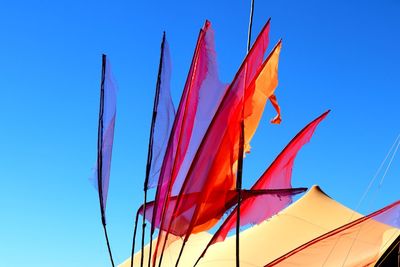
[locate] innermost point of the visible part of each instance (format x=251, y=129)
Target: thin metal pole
x=150, y=149
x=250, y=26
x=134, y=237
x=143, y=229
x=100, y=156
x=180, y=253
x=241, y=149
x=108, y=245
x=150, y=249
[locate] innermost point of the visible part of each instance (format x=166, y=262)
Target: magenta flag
x=165, y=114
x=278, y=176
x=200, y=98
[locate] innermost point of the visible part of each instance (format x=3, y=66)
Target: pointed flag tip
x=326, y=112
x=207, y=24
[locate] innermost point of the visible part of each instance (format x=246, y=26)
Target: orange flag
x=261, y=89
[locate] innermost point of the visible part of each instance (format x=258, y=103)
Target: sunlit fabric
x=355, y=244
x=278, y=175
x=106, y=131
x=311, y=216
x=258, y=92
x=198, y=103
x=277, y=119
x=201, y=97
x=164, y=118
x=210, y=210
x=213, y=167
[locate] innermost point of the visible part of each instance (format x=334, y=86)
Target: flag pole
x=149, y=159
x=100, y=155
x=134, y=236
x=241, y=150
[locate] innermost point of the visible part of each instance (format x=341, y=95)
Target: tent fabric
x=311, y=216
x=355, y=244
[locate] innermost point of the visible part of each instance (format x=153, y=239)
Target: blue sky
x=339, y=55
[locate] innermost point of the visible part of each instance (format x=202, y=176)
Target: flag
x=105, y=141
x=200, y=98
x=278, y=176
x=213, y=167
x=164, y=114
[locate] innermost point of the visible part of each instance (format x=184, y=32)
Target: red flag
x=212, y=212
x=214, y=166
x=278, y=175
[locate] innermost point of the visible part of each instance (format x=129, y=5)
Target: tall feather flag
x=105, y=140
x=277, y=176
x=200, y=99
x=214, y=165
x=163, y=118
x=161, y=124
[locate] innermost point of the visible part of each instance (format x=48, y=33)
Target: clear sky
x=339, y=55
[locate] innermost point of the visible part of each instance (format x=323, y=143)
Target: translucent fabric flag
x=201, y=96
x=358, y=243
x=212, y=171
x=200, y=99
x=278, y=175
x=105, y=134
x=260, y=90
x=232, y=196
x=165, y=114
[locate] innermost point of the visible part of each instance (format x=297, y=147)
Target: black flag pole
x=134, y=237
x=241, y=151
x=100, y=155
x=149, y=159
